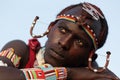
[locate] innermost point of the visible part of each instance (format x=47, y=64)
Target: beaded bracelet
x=49, y=72
x=45, y=72
x=54, y=73
x=10, y=54
x=33, y=74
x=61, y=73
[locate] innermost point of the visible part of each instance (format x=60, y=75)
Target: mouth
x=56, y=55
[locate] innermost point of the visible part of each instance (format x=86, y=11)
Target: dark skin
x=73, y=73
x=70, y=41
x=69, y=46
x=78, y=73
x=66, y=41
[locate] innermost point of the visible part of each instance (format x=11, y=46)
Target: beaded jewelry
x=10, y=54
x=31, y=29
x=92, y=35
x=33, y=74
x=61, y=73
x=54, y=73
x=67, y=17
x=98, y=70
x=80, y=19
x=86, y=27
x=92, y=11
x=45, y=72
x=49, y=72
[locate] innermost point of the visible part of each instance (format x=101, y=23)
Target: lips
x=56, y=55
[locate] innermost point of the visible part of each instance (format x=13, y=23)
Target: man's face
x=68, y=45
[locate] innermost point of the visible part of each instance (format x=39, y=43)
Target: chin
x=52, y=61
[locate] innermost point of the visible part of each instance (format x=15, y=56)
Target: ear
x=51, y=25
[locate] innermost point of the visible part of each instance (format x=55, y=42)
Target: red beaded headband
x=87, y=28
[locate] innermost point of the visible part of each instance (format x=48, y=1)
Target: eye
x=79, y=42
x=82, y=43
x=62, y=29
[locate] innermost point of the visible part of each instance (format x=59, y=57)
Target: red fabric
x=34, y=45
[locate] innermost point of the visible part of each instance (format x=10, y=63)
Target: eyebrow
x=64, y=26
x=75, y=35
x=68, y=30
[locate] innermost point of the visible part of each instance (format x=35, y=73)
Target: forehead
x=74, y=29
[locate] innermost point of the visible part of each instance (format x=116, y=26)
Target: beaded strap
x=10, y=54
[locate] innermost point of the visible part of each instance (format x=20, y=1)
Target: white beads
x=89, y=59
x=2, y=63
x=95, y=70
x=108, y=59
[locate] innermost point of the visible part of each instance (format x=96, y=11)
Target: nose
x=65, y=42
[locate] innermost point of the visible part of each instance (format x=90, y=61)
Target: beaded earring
x=99, y=69
x=92, y=35
x=32, y=27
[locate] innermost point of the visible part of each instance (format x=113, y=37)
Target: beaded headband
x=87, y=28
x=95, y=15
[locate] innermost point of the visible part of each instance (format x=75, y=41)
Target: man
x=69, y=53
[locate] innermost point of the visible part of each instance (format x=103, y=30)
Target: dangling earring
x=99, y=69
x=41, y=35
x=31, y=29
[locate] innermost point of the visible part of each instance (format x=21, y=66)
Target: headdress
x=87, y=28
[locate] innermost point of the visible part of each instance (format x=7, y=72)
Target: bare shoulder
x=20, y=49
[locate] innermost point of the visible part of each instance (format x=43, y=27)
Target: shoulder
x=19, y=46
x=20, y=49
x=15, y=44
